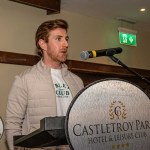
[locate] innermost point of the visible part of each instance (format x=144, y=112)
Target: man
x=47, y=88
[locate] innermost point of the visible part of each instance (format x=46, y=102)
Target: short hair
x=47, y=26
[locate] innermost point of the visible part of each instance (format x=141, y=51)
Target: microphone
x=96, y=53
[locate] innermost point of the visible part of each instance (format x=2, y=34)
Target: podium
x=107, y=114
x=50, y=133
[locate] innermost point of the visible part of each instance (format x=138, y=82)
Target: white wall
x=19, y=22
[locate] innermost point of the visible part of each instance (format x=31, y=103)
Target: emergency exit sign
x=127, y=39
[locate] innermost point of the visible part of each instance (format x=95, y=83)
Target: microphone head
x=84, y=55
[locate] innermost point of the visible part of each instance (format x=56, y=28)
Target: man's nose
x=65, y=43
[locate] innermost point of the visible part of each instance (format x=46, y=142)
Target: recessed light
x=142, y=9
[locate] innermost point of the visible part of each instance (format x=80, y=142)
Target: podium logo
x=117, y=110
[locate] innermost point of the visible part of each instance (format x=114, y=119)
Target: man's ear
x=43, y=44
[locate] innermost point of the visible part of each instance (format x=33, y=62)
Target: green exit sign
x=127, y=39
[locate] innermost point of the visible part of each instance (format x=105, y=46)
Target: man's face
x=57, y=46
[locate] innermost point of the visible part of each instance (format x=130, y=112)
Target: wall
x=17, y=29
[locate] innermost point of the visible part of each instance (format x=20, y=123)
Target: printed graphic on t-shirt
x=62, y=90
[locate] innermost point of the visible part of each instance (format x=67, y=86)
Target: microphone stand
x=116, y=60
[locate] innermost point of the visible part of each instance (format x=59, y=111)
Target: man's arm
x=15, y=112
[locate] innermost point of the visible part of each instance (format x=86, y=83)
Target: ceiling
x=112, y=9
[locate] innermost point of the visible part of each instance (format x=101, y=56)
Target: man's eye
x=67, y=39
x=58, y=38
